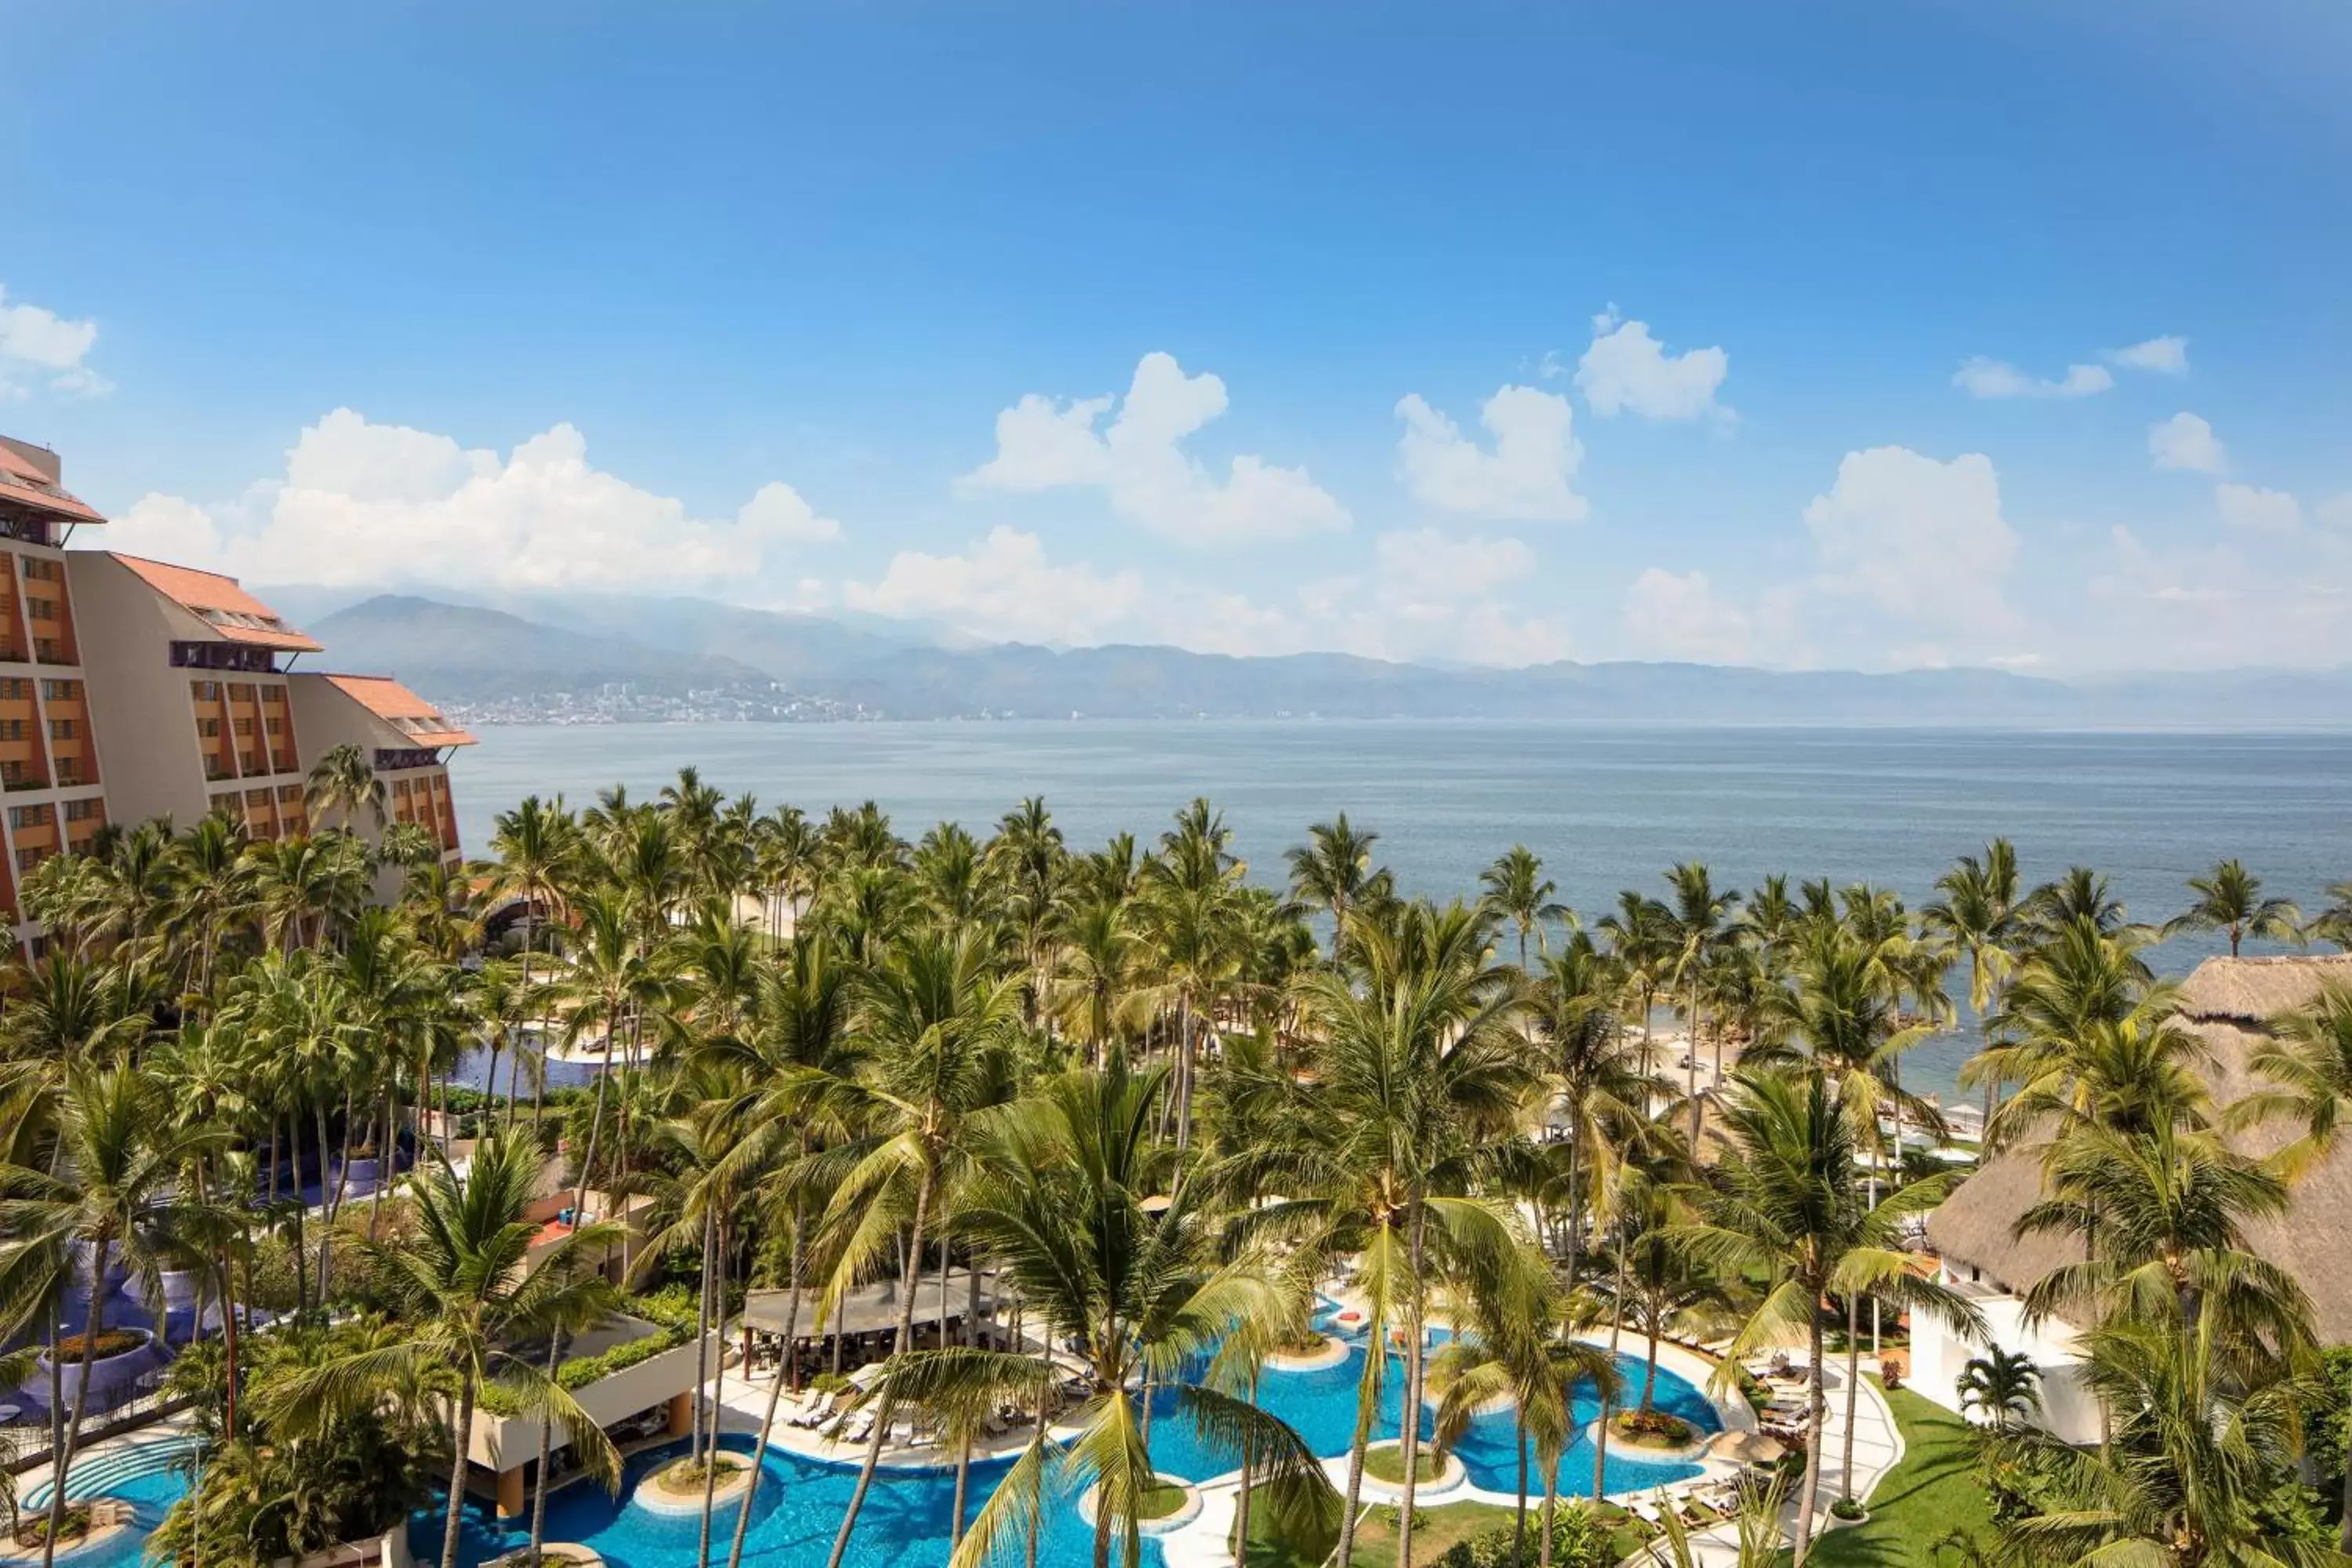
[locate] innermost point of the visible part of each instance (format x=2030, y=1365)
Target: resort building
x=404, y=739
x=188, y=674
x=50, y=772
x=2231, y=1005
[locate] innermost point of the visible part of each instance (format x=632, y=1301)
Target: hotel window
x=69, y=770
x=48, y=651
x=12, y=772
x=28, y=859
x=15, y=687
x=39, y=570
x=54, y=690
x=208, y=728
x=244, y=727
x=23, y=817
x=257, y=797
x=12, y=729
x=84, y=810
x=41, y=609
x=273, y=725
x=206, y=691
x=61, y=728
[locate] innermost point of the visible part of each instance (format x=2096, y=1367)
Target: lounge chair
x=859, y=1427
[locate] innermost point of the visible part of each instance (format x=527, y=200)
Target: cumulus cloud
x=1628, y=371
x=2335, y=512
x=1139, y=464
x=2185, y=441
x=2166, y=356
x=1917, y=538
x=1423, y=596
x=41, y=343
x=1982, y=377
x=1678, y=617
x=1528, y=477
x=2286, y=603
x=362, y=504
x=2258, y=510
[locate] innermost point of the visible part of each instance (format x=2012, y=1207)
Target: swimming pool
x=145, y=1475
x=905, y=1519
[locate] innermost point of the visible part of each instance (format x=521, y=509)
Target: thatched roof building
x=2231, y=1004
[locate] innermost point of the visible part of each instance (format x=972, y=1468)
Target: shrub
x=1654, y=1429
x=1847, y=1508
x=114, y=1341
x=1579, y=1540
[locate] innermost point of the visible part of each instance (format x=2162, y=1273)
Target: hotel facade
x=133, y=688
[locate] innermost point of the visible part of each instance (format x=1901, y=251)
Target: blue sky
x=525, y=296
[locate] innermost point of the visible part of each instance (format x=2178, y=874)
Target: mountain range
x=519, y=651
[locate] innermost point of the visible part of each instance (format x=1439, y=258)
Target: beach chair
x=859, y=1427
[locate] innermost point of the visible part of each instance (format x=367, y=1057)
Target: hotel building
x=406, y=740
x=131, y=689
x=50, y=775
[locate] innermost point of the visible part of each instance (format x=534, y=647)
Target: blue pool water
x=905, y=1516
x=151, y=1495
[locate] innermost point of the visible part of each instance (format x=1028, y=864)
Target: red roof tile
x=227, y=609
x=405, y=711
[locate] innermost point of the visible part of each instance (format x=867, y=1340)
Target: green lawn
x=1931, y=1493
x=1440, y=1527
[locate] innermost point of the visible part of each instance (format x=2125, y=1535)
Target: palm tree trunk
x=1816, y=1409
x=464, y=1430
x=1242, y=1499
x=63, y=1470
x=1601, y=1431
x=718, y=1315
x=963, y=1487
x=905, y=1336
x=1575, y=1200
x=1852, y=1382
x=1409, y=1428
x=1519, y=1508
x=760, y=1451
x=1368, y=1404
x=546, y=1455
x=1551, y=1506
x=701, y=1342
x=326, y=1198
x=1692, y=1077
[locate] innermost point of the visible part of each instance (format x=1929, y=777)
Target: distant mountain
x=578, y=643
x=457, y=653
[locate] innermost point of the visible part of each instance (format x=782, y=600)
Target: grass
x=1932, y=1492
x=1160, y=1503
x=1388, y=1464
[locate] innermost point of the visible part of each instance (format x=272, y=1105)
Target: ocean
x=1606, y=808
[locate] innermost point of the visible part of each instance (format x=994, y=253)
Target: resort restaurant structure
x=2232, y=1005
x=865, y=1320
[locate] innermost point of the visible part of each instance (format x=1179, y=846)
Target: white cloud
x=2286, y=602
x=2185, y=441
x=362, y=504
x=1139, y=462
x=2165, y=355
x=41, y=341
x=1529, y=477
x=2335, y=512
x=1678, y=617
x=1982, y=377
x=2258, y=510
x=1918, y=539
x=1628, y=371
x=1425, y=595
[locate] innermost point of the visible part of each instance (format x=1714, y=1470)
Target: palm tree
x=935, y=1023
x=1333, y=868
x=2001, y=1387
x=2230, y=898
x=1784, y=1213
x=1425, y=1074
x=475, y=1298
x=1066, y=1177
x=2334, y=923
x=1695, y=927
x=1517, y=890
x=1978, y=917
x=2308, y=1068
x=2202, y=1430
x=537, y=846
x=110, y=1190
x=341, y=785
x=1599, y=1094
x=1518, y=1352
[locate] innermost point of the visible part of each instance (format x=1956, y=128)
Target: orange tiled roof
x=231, y=612
x=20, y=482
x=401, y=708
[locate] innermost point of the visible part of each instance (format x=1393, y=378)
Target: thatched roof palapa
x=2230, y=1004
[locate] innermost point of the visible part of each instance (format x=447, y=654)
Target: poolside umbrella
x=1750, y=1447
x=865, y=1376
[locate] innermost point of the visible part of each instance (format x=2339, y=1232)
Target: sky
x=2011, y=333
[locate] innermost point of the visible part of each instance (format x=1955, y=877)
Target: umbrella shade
x=1750, y=1447
x=866, y=1376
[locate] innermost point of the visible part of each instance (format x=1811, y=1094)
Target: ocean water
x=1606, y=808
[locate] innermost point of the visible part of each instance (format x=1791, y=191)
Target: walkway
x=1877, y=1448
